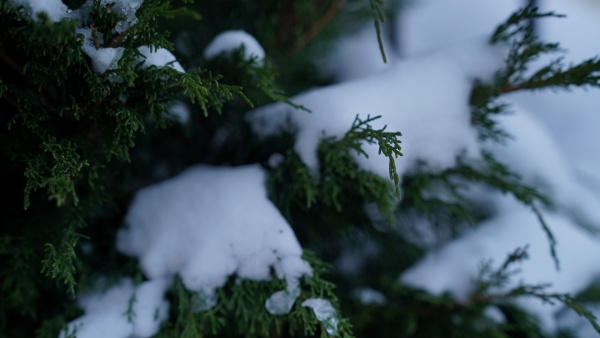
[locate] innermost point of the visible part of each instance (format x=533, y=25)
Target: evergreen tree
x=235, y=178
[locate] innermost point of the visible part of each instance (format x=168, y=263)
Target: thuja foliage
x=76, y=145
x=239, y=300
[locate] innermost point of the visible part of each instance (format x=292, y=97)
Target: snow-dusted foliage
x=125, y=310
x=441, y=82
x=229, y=41
x=211, y=223
x=217, y=218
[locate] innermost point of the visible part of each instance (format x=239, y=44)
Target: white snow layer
x=179, y=112
x=409, y=96
x=55, y=9
x=424, y=95
x=368, y=296
x=228, y=41
x=357, y=56
x=123, y=311
x=571, y=116
x=160, y=57
x=555, y=145
x=127, y=10
x=454, y=267
x=103, y=59
x=428, y=25
x=208, y=224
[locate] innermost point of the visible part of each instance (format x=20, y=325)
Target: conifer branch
x=61, y=261
x=116, y=42
x=490, y=280
x=378, y=19
x=388, y=142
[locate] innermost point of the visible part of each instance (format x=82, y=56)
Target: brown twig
x=287, y=24
x=508, y=88
x=116, y=42
x=95, y=37
x=318, y=26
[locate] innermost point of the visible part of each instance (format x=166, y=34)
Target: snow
x=127, y=9
x=103, y=59
x=494, y=313
x=179, y=112
x=324, y=312
x=106, y=312
x=439, y=84
x=55, y=9
x=535, y=154
x=228, y=41
x=554, y=147
x=210, y=223
x=571, y=116
x=428, y=25
x=357, y=56
x=281, y=302
x=160, y=57
x=454, y=267
x=577, y=325
x=368, y=296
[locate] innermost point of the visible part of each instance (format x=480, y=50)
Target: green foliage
x=240, y=310
x=378, y=18
x=339, y=183
x=490, y=280
x=66, y=132
x=257, y=77
x=525, y=48
x=453, y=186
x=388, y=143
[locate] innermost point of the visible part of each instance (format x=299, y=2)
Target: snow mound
x=228, y=41
x=434, y=119
x=356, y=56
x=454, y=267
x=160, y=57
x=103, y=59
x=428, y=25
x=125, y=310
x=127, y=9
x=208, y=224
x=55, y=9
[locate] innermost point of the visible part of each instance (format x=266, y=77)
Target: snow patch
x=103, y=59
x=179, y=112
x=228, y=41
x=368, y=296
x=454, y=267
x=160, y=57
x=124, y=310
x=208, y=224
x=428, y=25
x=324, y=312
x=127, y=9
x=357, y=56
x=440, y=87
x=55, y=9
